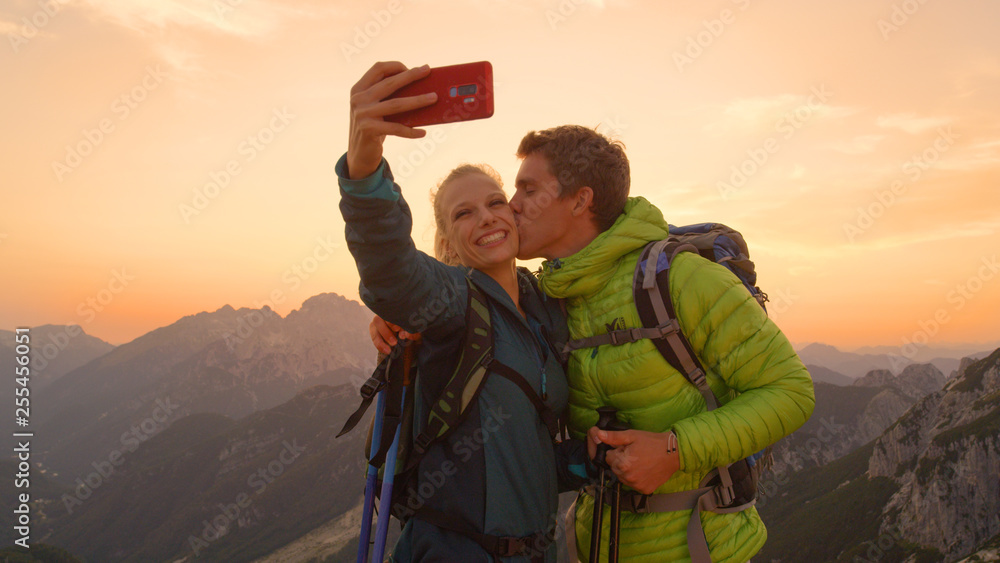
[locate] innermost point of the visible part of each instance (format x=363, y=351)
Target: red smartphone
x=465, y=92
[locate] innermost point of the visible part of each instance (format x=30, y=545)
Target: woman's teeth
x=491, y=238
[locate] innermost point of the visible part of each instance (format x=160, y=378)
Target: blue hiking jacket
x=501, y=460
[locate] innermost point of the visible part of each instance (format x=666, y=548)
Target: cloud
x=177, y=29
x=8, y=28
x=25, y=28
x=982, y=155
x=862, y=144
x=801, y=270
x=241, y=18
x=910, y=123
x=941, y=233
x=766, y=112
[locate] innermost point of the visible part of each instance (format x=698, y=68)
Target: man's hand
x=369, y=106
x=384, y=334
x=639, y=459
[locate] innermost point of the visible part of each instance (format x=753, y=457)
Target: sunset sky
x=856, y=144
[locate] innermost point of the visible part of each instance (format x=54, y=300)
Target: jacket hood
x=590, y=269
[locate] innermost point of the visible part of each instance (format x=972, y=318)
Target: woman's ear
x=448, y=254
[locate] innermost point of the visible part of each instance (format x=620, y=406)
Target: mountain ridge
x=925, y=490
x=229, y=361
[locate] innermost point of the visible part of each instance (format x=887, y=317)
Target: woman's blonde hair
x=440, y=219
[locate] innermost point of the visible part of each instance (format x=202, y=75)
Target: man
x=572, y=208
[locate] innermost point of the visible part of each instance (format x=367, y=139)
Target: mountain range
x=926, y=489
x=215, y=435
x=229, y=362
x=858, y=363
x=211, y=488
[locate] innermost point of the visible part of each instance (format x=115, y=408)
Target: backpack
x=724, y=489
x=395, y=377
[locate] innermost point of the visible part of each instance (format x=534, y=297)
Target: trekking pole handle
x=607, y=419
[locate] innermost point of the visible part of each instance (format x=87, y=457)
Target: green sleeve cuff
x=377, y=185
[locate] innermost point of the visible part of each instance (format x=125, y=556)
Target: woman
x=499, y=496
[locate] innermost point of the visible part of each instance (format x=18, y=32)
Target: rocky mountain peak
x=915, y=381
x=922, y=378
x=877, y=378
x=944, y=454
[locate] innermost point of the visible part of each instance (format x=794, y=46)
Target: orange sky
x=871, y=208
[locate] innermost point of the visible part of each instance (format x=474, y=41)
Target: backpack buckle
x=624, y=336
x=371, y=387
x=421, y=443
x=669, y=327
x=724, y=496
x=697, y=377
x=510, y=546
x=639, y=502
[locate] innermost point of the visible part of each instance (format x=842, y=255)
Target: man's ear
x=582, y=201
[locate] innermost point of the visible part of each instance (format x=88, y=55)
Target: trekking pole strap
x=371, y=387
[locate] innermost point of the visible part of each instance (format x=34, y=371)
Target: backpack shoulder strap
x=550, y=418
x=651, y=290
x=466, y=382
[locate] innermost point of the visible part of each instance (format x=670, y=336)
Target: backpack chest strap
x=619, y=337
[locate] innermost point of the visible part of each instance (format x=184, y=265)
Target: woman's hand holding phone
x=369, y=105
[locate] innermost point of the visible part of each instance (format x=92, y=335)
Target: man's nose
x=515, y=204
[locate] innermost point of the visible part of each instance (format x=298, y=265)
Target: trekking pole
x=607, y=419
x=385, y=500
x=370, y=478
x=389, y=473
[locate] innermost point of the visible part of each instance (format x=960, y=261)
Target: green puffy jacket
x=765, y=390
